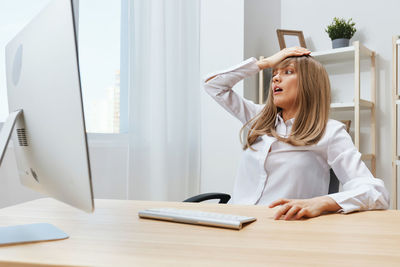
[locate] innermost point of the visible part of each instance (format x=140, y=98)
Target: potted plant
x=340, y=31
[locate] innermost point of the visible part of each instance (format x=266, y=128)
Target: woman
x=291, y=144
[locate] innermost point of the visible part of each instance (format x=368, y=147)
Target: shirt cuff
x=347, y=203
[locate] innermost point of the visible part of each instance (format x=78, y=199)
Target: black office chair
x=333, y=183
x=224, y=198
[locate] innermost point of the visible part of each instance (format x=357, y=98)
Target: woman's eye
x=289, y=72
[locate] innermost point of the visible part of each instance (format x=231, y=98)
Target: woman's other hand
x=298, y=208
x=273, y=60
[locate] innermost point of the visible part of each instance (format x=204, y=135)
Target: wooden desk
x=115, y=236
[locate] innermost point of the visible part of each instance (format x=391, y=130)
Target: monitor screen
x=43, y=81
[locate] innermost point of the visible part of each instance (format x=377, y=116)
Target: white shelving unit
x=395, y=115
x=355, y=52
x=350, y=105
x=342, y=54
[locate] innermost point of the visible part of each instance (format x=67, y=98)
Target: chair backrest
x=333, y=183
x=223, y=198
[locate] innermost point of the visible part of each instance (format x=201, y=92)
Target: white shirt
x=279, y=170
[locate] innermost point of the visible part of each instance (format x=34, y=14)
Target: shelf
x=395, y=117
x=364, y=104
x=334, y=55
x=397, y=160
x=397, y=99
x=340, y=54
x=367, y=156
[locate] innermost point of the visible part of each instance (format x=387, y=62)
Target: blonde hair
x=313, y=102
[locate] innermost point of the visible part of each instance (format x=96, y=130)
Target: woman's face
x=285, y=88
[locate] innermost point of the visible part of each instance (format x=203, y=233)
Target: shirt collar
x=279, y=120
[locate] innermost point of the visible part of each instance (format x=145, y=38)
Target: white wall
x=221, y=46
x=109, y=165
x=261, y=19
x=376, y=23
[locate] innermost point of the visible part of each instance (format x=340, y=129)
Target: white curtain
x=164, y=95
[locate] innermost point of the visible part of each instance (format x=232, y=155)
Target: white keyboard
x=197, y=217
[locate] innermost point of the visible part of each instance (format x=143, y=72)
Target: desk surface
x=115, y=236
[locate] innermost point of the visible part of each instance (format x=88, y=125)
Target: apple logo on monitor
x=17, y=65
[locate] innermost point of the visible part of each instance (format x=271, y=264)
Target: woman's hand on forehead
x=275, y=59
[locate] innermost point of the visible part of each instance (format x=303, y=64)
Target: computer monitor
x=45, y=103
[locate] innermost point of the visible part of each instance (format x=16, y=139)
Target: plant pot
x=341, y=42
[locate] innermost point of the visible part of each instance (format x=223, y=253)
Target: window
x=99, y=37
x=99, y=30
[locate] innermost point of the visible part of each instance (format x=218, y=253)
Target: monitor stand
x=6, y=131
x=28, y=232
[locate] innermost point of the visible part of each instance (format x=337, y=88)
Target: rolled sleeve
x=219, y=86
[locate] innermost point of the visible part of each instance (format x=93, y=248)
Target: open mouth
x=277, y=89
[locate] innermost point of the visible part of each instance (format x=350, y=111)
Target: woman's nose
x=276, y=78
